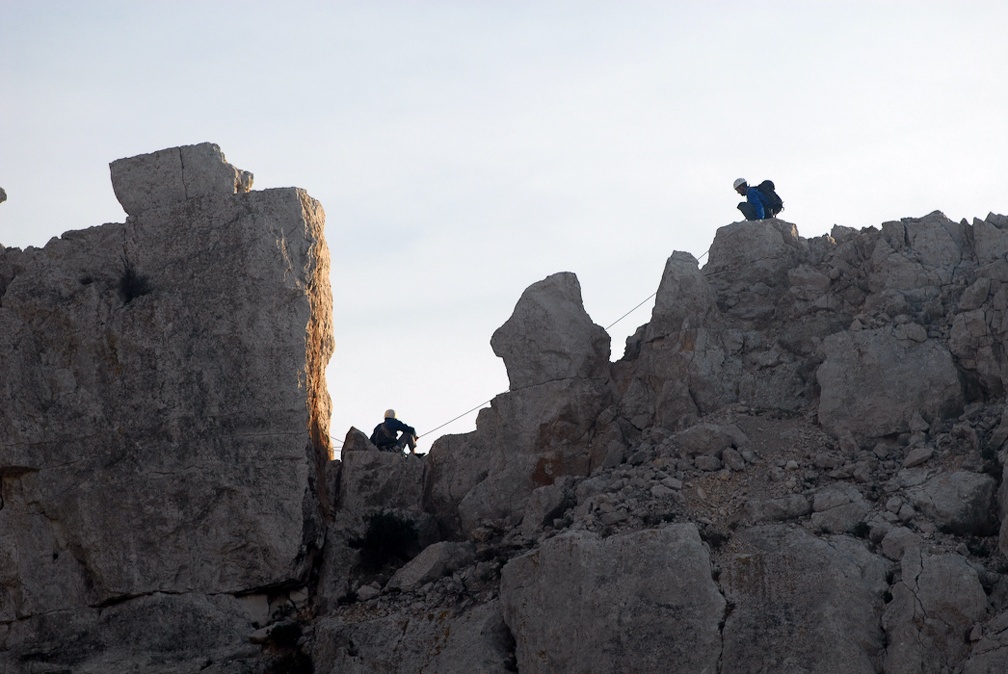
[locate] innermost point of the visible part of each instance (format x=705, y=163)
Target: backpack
x=383, y=437
x=773, y=202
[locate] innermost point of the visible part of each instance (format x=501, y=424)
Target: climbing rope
x=631, y=311
x=480, y=406
x=652, y=295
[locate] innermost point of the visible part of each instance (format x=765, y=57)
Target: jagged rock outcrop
x=550, y=337
x=164, y=423
x=797, y=465
x=539, y=430
x=750, y=267
x=794, y=467
x=680, y=356
x=373, y=480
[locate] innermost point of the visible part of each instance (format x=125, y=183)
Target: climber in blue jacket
x=386, y=435
x=755, y=206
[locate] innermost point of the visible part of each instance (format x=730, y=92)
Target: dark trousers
x=748, y=210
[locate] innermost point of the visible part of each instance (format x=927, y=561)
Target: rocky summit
x=796, y=466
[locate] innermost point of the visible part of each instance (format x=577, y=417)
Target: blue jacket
x=756, y=198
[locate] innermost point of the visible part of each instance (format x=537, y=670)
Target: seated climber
x=386, y=435
x=761, y=201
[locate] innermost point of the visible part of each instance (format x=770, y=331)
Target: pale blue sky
x=464, y=150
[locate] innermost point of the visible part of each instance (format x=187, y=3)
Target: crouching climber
x=761, y=201
x=387, y=438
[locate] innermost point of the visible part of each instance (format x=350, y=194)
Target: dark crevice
x=132, y=284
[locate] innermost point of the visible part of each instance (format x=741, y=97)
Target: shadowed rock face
x=801, y=603
x=164, y=417
x=645, y=597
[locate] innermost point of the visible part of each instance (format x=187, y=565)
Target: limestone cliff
x=796, y=466
x=164, y=419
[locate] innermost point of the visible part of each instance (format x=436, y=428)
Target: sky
x=465, y=150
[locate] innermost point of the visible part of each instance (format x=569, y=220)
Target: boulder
x=549, y=336
x=873, y=382
x=170, y=177
x=838, y=509
x=897, y=541
x=779, y=509
x=710, y=439
x=641, y=602
x=935, y=605
x=435, y=561
x=918, y=456
x=959, y=502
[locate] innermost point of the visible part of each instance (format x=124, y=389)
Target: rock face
x=645, y=597
x=165, y=418
x=899, y=364
x=680, y=358
x=802, y=603
x=797, y=465
x=937, y=603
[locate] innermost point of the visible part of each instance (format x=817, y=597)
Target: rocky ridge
x=796, y=466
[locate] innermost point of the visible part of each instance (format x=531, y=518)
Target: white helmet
x=390, y=414
x=739, y=182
